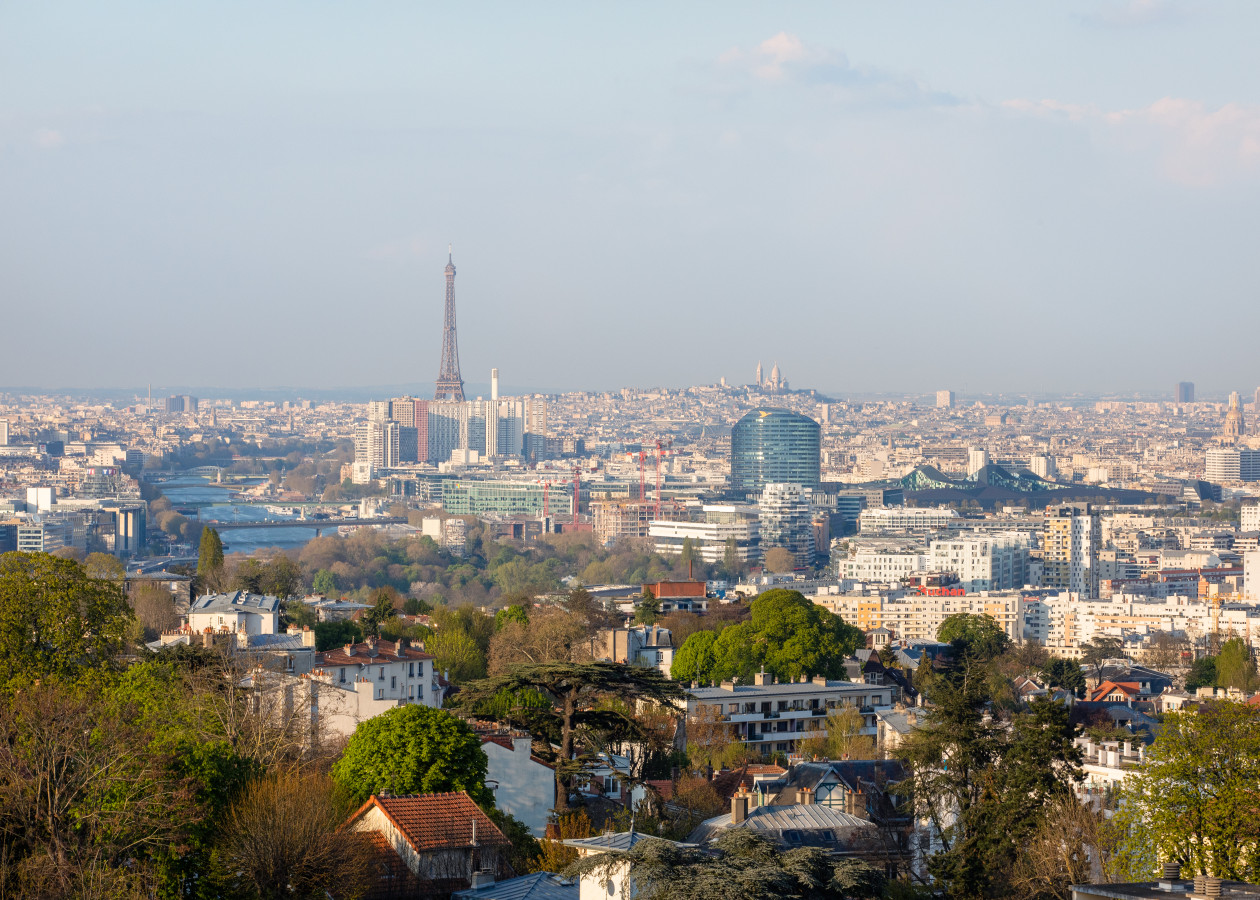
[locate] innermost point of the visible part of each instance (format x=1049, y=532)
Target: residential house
x=432, y=844
x=524, y=785
x=536, y=886
x=641, y=645
x=359, y=681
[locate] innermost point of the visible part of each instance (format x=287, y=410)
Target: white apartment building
x=1249, y=517
x=906, y=518
x=1065, y=621
x=786, y=521
x=918, y=617
x=772, y=717
x=989, y=562
x=882, y=566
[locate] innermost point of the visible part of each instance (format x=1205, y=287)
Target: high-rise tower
x=450, y=386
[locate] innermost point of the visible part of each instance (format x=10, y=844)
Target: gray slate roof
x=813, y=823
x=538, y=886
x=236, y=601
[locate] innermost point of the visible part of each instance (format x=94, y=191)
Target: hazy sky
x=880, y=196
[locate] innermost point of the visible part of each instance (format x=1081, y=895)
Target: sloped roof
x=538, y=886
x=813, y=821
x=610, y=842
x=235, y=601
x=436, y=821
x=365, y=654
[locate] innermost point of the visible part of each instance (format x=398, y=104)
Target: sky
x=881, y=197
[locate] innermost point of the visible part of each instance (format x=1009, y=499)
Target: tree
x=1234, y=666
x=786, y=636
x=1202, y=673
x=55, y=620
x=456, y=653
x=550, y=635
x=732, y=565
x=210, y=556
x=514, y=613
x=780, y=559
x=648, y=609
x=1094, y=652
x=382, y=609
x=742, y=865
x=415, y=606
x=85, y=796
x=281, y=578
x=281, y=839
x=1069, y=847
x=1066, y=674
x=841, y=737
x=980, y=635
x=325, y=583
x=695, y=660
x=103, y=565
x=571, y=693
x=1194, y=801
x=413, y=750
x=329, y=635
x=154, y=609
x=1166, y=651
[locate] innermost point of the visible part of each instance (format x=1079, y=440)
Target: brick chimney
x=805, y=796
x=761, y=678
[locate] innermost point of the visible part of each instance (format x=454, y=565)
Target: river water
x=211, y=503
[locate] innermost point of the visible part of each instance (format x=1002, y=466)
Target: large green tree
x=1235, y=667
x=787, y=635
x=210, y=555
x=55, y=620
x=1195, y=799
x=1066, y=674
x=980, y=633
x=983, y=782
x=559, y=698
x=413, y=749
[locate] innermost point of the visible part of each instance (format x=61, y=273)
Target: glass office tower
x=774, y=446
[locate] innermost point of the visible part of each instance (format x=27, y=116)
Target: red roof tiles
x=436, y=821
x=369, y=652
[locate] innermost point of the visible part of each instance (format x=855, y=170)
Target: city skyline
x=762, y=184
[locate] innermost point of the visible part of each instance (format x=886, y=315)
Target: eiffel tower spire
x=450, y=386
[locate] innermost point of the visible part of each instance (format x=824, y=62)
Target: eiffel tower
x=450, y=386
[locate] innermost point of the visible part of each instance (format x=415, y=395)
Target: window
x=733, y=708
x=342, y=679
x=411, y=670
x=381, y=673
x=380, y=694
x=393, y=682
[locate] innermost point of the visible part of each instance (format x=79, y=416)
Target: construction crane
x=642, y=457
x=546, y=497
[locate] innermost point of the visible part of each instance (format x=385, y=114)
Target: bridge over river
x=320, y=525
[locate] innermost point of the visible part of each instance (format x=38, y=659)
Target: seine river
x=210, y=502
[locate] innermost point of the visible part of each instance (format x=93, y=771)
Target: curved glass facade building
x=774, y=446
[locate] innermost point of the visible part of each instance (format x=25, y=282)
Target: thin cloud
x=48, y=139
x=785, y=59
x=1193, y=144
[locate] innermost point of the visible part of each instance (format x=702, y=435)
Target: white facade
x=906, y=518
x=977, y=459
x=993, y=562
x=360, y=681
x=1250, y=517
x=882, y=566
x=918, y=617
x=524, y=786
x=724, y=522
x=1226, y=464
x=786, y=521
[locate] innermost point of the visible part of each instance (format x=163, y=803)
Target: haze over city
x=880, y=197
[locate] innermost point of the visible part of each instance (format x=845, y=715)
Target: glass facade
x=774, y=446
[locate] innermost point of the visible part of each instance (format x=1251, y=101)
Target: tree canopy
x=787, y=636
x=55, y=619
x=979, y=635
x=413, y=749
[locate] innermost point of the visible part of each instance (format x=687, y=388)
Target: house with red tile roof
x=1115, y=692
x=431, y=844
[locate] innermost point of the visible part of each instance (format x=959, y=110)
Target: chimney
x=761, y=677
x=308, y=636
x=1172, y=871
x=349, y=649
x=805, y=796
x=739, y=808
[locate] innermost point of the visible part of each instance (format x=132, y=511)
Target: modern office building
x=774, y=446
x=944, y=399
x=505, y=498
x=1227, y=464
x=1184, y=392
x=722, y=524
x=786, y=521
x=977, y=459
x=1070, y=550
x=906, y=518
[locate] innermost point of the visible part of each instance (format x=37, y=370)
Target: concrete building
x=377, y=444
x=771, y=717
x=709, y=538
x=1225, y=464
x=505, y=498
x=524, y=786
x=915, y=617
x=1184, y=392
x=359, y=681
x=906, y=518
x=977, y=459
x=990, y=562
x=944, y=399
x=1070, y=551
x=1043, y=466
x=786, y=521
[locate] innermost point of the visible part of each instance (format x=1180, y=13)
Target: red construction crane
x=546, y=497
